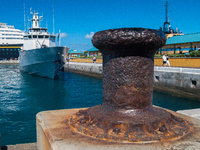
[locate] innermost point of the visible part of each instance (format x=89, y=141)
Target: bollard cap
x=129, y=39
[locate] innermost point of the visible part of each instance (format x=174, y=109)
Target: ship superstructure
x=11, y=41
x=39, y=55
x=167, y=29
x=38, y=37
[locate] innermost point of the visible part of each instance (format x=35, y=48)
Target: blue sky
x=78, y=20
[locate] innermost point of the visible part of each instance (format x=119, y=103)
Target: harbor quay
x=183, y=81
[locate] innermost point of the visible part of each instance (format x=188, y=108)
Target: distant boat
x=11, y=41
x=39, y=55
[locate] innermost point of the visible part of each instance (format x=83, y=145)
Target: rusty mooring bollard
x=127, y=113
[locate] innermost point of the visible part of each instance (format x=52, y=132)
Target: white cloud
x=89, y=36
x=62, y=35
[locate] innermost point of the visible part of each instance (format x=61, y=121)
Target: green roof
x=93, y=49
x=74, y=51
x=187, y=38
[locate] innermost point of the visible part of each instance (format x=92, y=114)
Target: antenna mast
x=166, y=26
x=24, y=19
x=46, y=20
x=53, y=15
x=27, y=22
x=166, y=11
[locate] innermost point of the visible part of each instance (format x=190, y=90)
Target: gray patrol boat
x=39, y=55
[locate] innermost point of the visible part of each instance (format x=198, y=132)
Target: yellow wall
x=179, y=62
x=99, y=60
x=172, y=52
x=174, y=62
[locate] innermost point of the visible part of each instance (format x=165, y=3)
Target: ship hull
x=44, y=62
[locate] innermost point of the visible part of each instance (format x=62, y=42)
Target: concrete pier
x=91, y=69
x=56, y=134
x=195, y=113
x=5, y=62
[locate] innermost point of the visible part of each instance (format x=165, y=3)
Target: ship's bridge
x=38, y=30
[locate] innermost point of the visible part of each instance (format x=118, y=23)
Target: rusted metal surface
x=127, y=113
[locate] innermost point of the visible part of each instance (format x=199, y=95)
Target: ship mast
x=166, y=26
x=35, y=20
x=24, y=19
x=53, y=15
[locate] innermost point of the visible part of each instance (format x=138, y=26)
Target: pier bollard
x=126, y=113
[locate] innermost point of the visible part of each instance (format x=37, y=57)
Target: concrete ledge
x=184, y=81
x=91, y=69
x=54, y=133
x=191, y=112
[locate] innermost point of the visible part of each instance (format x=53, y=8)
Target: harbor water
x=22, y=96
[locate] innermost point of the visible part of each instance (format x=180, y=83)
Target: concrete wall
x=91, y=69
x=184, y=81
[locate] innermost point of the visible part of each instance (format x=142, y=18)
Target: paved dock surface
x=195, y=113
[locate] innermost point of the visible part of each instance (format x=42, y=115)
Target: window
x=40, y=36
x=35, y=36
x=52, y=38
